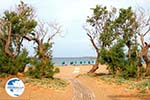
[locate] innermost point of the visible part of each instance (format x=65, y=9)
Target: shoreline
x=73, y=71
x=73, y=65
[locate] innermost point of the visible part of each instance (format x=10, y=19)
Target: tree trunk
x=7, y=45
x=147, y=69
x=139, y=65
x=144, y=54
x=96, y=65
x=147, y=61
x=129, y=53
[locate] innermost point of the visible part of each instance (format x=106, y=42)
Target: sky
x=71, y=15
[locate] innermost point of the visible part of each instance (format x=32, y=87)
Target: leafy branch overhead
x=14, y=25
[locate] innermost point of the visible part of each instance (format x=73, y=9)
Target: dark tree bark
x=144, y=53
x=96, y=65
x=129, y=49
x=146, y=59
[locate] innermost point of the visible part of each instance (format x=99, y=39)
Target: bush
x=114, y=58
x=12, y=66
x=131, y=65
x=40, y=70
x=130, y=71
x=117, y=61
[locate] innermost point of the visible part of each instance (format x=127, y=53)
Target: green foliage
x=22, y=60
x=130, y=70
x=116, y=32
x=114, y=58
x=22, y=23
x=143, y=86
x=42, y=63
x=21, y=20
x=11, y=66
x=41, y=70
x=102, y=25
x=131, y=66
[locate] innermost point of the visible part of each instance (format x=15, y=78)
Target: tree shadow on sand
x=99, y=74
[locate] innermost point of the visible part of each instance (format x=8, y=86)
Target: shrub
x=114, y=57
x=12, y=66
x=40, y=70
x=130, y=71
x=117, y=61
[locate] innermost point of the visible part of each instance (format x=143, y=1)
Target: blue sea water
x=63, y=61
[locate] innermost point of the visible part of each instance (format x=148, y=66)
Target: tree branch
x=93, y=43
x=91, y=39
x=29, y=38
x=7, y=45
x=56, y=30
x=147, y=31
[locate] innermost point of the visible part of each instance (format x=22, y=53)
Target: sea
x=64, y=61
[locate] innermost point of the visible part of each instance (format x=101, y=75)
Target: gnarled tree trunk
x=96, y=65
x=8, y=42
x=144, y=54
x=146, y=59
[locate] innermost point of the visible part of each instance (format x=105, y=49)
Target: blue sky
x=71, y=14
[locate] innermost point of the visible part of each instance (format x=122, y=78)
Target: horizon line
x=75, y=57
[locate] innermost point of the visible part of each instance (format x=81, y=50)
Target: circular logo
x=14, y=87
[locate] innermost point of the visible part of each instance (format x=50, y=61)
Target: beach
x=100, y=90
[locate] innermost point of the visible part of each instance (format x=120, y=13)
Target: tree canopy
x=19, y=25
x=113, y=33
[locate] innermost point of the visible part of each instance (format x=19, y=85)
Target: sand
x=101, y=89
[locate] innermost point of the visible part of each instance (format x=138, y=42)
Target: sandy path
x=81, y=92
x=80, y=88
x=100, y=89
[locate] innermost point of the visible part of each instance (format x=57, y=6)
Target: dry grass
x=55, y=83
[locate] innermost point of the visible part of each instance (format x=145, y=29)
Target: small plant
x=3, y=75
x=121, y=80
x=55, y=83
x=143, y=91
x=143, y=86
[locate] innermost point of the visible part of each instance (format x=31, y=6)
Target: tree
x=13, y=26
x=43, y=58
x=98, y=24
x=17, y=26
x=107, y=28
x=144, y=23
